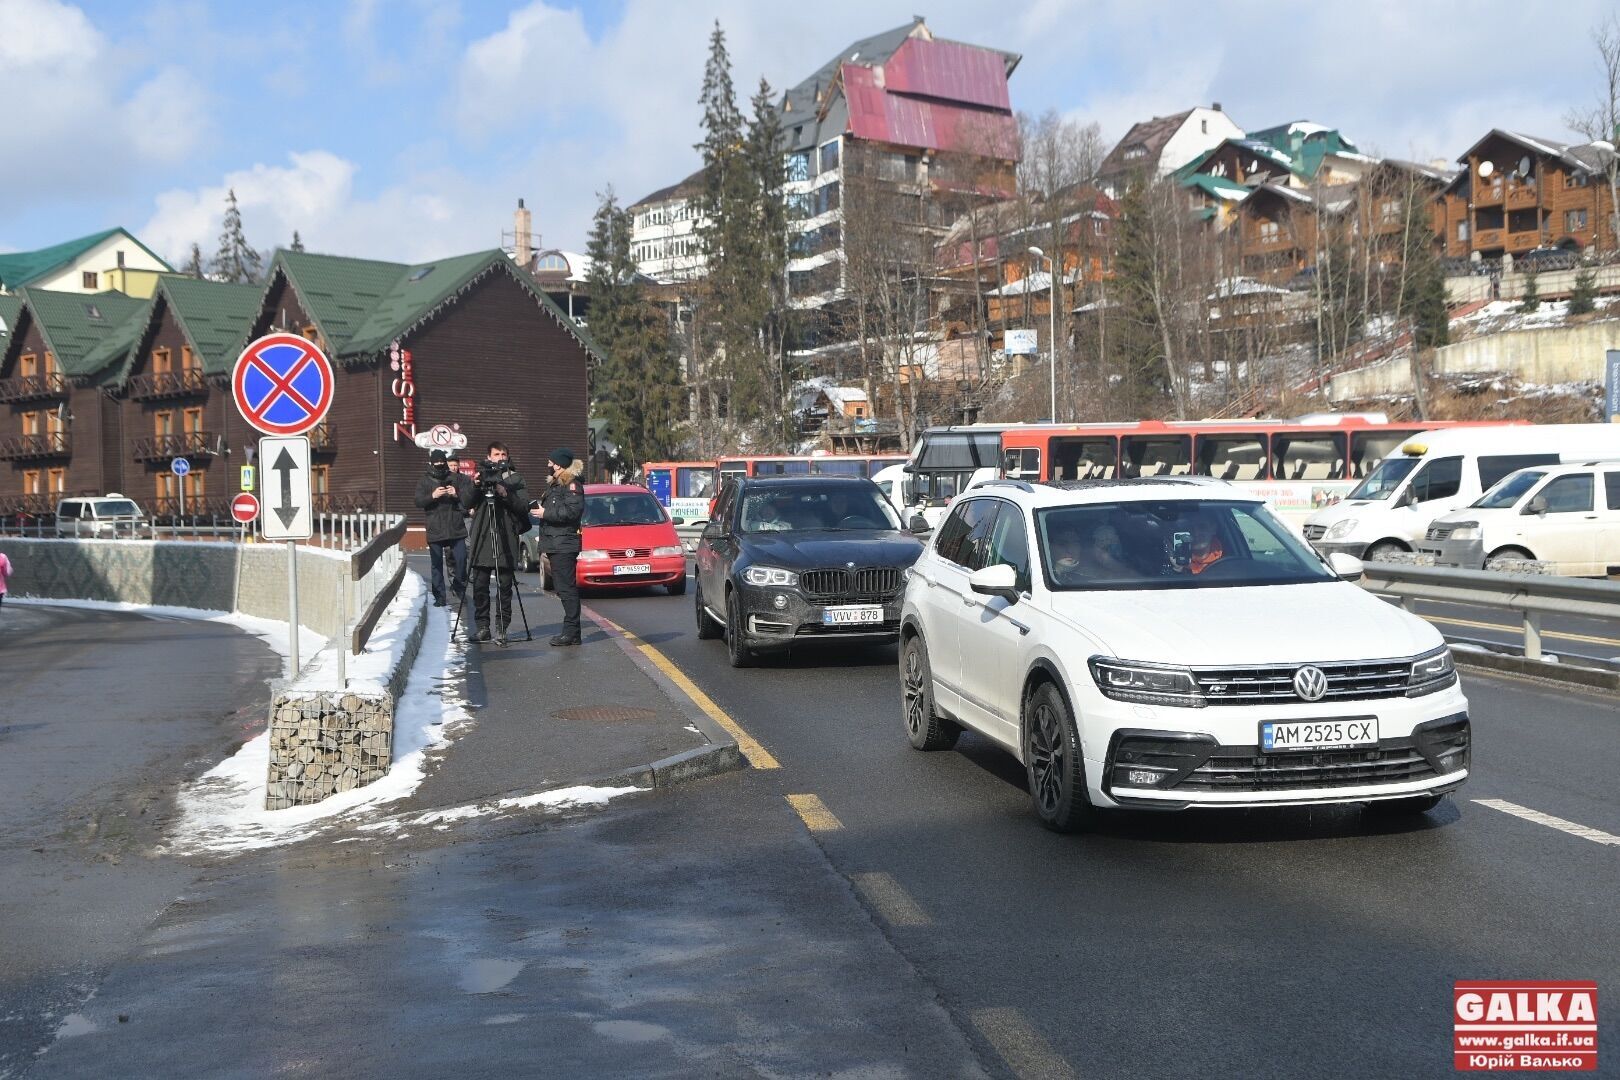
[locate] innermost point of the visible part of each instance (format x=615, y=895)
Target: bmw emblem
x=1309, y=683
x=850, y=565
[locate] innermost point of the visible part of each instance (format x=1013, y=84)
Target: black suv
x=788, y=559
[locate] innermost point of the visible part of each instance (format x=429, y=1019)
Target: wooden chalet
x=1517, y=192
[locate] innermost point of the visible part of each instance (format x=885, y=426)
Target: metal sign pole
x=292, y=606
x=342, y=642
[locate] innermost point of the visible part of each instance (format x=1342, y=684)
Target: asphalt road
x=1277, y=943
x=1587, y=641
x=102, y=715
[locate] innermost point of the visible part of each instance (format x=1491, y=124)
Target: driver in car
x=765, y=517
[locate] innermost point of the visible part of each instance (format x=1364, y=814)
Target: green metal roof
x=417, y=291
x=1218, y=186
x=338, y=292
x=113, y=353
x=20, y=268
x=214, y=315
x=9, y=307
x=75, y=324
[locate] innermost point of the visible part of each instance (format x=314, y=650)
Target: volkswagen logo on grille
x=1310, y=684
x=630, y=554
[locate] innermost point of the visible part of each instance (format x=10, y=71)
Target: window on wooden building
x=56, y=481
x=192, y=421
x=1269, y=232
x=31, y=482
x=163, y=423
x=188, y=358
x=27, y=365
x=1574, y=220
x=194, y=485
x=168, y=488
x=162, y=361
x=312, y=333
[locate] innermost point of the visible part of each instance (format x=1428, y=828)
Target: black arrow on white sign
x=286, y=467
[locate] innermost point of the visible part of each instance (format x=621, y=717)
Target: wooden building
x=1519, y=192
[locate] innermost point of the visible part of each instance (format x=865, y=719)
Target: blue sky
x=408, y=129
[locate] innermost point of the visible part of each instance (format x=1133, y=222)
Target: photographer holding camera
x=562, y=505
x=439, y=494
x=500, y=504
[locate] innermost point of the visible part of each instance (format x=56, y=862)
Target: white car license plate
x=852, y=616
x=633, y=568
x=1277, y=735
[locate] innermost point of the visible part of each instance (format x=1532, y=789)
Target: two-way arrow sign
x=286, y=504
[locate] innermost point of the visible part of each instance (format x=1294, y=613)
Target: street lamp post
x=1051, y=341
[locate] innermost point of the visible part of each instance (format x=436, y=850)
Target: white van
x=1440, y=471
x=108, y=515
x=1568, y=515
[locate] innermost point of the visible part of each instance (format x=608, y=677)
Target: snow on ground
x=224, y=810
x=272, y=631
x=569, y=798
x=1500, y=316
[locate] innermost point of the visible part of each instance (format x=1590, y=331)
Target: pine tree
x=768, y=252
x=1583, y=297
x=1532, y=294
x=635, y=382
x=298, y=241
x=194, y=265
x=235, y=261
x=1423, y=294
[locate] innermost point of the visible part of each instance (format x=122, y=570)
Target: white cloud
x=84, y=118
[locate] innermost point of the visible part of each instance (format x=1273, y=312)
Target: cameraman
x=562, y=505
x=439, y=493
x=500, y=502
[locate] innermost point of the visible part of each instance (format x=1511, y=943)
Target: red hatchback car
x=628, y=543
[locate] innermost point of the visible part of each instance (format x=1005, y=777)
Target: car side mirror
x=919, y=525
x=1347, y=567
x=677, y=521
x=1404, y=499
x=711, y=531
x=999, y=580
x=1538, y=506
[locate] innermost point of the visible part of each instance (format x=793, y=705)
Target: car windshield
x=1180, y=544
x=116, y=508
x=630, y=508
x=847, y=507
x=1507, y=493
x=1382, y=481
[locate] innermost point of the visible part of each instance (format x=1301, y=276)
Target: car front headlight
x=770, y=575
x=668, y=550
x=1465, y=530
x=1340, y=529
x=1148, y=684
x=592, y=554
x=1430, y=672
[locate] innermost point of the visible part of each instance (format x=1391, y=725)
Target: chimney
x=1216, y=106
x=522, y=221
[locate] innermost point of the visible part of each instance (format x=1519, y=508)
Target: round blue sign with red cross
x=282, y=384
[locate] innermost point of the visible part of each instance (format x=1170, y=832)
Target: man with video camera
x=500, y=503
x=439, y=495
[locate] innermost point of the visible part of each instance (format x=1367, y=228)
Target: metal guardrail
x=375, y=571
x=1528, y=595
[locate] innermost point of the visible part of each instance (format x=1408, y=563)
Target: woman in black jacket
x=559, y=513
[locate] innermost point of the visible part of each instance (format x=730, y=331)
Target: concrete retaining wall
x=1561, y=355
x=1461, y=290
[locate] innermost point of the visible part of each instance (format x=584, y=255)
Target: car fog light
x=780, y=602
x=1144, y=777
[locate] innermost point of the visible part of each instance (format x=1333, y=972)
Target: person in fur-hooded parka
x=561, y=507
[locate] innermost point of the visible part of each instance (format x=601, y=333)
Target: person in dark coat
x=493, y=548
x=439, y=494
x=562, y=505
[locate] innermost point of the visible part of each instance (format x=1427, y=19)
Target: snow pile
x=224, y=809
x=570, y=798
x=371, y=671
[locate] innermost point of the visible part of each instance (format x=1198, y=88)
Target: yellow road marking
x=817, y=818
x=1585, y=832
x=890, y=900
x=1019, y=1045
x=1512, y=629
x=757, y=755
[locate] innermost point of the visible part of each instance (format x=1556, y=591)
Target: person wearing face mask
x=439, y=495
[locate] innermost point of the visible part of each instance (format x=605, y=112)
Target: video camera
x=489, y=474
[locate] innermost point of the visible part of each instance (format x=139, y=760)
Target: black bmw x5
x=794, y=559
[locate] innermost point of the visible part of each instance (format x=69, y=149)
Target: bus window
x=1156, y=455
x=781, y=468
x=1312, y=456
x=1231, y=457
x=878, y=464
x=1368, y=448
x=1022, y=464
x=845, y=466
x=694, y=483
x=732, y=467
x=959, y=450
x=1083, y=459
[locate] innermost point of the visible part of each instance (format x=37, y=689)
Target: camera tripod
x=497, y=521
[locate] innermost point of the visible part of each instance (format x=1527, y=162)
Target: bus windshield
x=1383, y=481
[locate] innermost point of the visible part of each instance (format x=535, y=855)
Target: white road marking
x=1020, y=1045
x=1597, y=836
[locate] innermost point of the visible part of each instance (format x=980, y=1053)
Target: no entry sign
x=245, y=508
x=282, y=384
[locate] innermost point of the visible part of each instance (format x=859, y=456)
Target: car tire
x=1415, y=806
x=707, y=628
x=1054, y=762
x=1382, y=549
x=1506, y=553
x=677, y=587
x=926, y=729
x=737, y=650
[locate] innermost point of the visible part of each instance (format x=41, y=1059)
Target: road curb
x=1507, y=663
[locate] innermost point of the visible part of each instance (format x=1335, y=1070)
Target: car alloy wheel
x=739, y=652
x=925, y=728
x=707, y=628
x=1057, y=776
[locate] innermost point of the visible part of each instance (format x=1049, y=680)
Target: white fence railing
x=335, y=532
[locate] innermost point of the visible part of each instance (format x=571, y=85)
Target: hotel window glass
x=827, y=198
x=188, y=358
x=163, y=423
x=829, y=156
x=195, y=486
x=168, y=489
x=162, y=361
x=50, y=363
x=192, y=421
x=30, y=423
x=1574, y=220
x=1462, y=232
x=57, y=481
x=31, y=482
x=28, y=365
x=798, y=166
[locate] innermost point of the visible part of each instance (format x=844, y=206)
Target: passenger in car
x=1206, y=544
x=761, y=515
x=1067, y=554
x=1105, y=554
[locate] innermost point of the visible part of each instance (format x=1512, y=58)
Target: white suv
x=1170, y=643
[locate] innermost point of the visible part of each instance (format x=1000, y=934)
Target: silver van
x=105, y=516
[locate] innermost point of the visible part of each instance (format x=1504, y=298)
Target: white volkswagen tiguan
x=1170, y=643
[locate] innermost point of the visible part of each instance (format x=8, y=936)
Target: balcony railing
x=168, y=384
x=1520, y=195
x=34, y=447
x=164, y=511
x=1488, y=194
x=322, y=437
x=162, y=447
x=33, y=387
x=30, y=505
x=344, y=503
x=1488, y=238
x=1523, y=241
